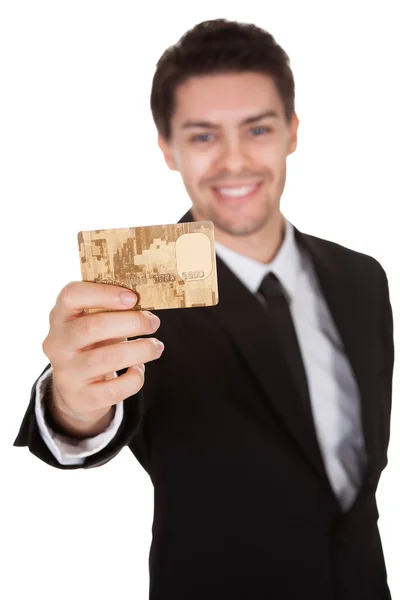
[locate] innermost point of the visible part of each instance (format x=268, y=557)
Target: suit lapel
x=354, y=310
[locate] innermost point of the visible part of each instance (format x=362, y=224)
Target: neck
x=262, y=246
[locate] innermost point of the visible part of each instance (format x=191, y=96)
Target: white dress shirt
x=334, y=393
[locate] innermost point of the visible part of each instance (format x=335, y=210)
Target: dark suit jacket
x=243, y=508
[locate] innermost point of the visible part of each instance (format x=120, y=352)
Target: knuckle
x=136, y=321
x=93, y=358
x=100, y=358
x=142, y=322
x=53, y=314
x=66, y=294
x=51, y=347
x=110, y=394
x=105, y=292
x=102, y=322
x=108, y=291
x=46, y=347
x=87, y=326
x=109, y=355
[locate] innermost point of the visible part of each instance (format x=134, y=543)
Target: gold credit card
x=168, y=266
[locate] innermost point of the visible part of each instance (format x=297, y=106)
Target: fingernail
x=141, y=367
x=154, y=320
x=159, y=345
x=128, y=298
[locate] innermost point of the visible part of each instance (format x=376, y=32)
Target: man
x=263, y=422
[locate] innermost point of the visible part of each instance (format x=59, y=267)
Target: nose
x=234, y=156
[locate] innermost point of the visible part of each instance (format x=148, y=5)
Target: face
x=229, y=141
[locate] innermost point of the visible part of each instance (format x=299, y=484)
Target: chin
x=241, y=226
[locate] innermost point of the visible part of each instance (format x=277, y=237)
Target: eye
x=201, y=137
x=260, y=130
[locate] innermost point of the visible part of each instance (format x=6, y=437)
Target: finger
x=108, y=393
x=106, y=343
x=77, y=296
x=99, y=327
x=111, y=375
x=99, y=361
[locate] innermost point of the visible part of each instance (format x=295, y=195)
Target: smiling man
x=264, y=421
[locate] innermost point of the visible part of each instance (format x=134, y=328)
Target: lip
x=238, y=199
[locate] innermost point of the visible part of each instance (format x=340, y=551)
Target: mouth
x=235, y=193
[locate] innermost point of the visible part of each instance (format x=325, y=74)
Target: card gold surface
x=168, y=266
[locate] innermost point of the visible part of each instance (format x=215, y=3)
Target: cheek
x=273, y=159
x=271, y=152
x=195, y=166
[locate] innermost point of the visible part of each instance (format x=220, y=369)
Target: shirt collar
x=285, y=265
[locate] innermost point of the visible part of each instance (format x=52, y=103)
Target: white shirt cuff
x=70, y=451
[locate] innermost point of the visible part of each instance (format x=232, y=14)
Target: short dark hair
x=218, y=46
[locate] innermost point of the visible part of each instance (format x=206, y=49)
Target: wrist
x=66, y=422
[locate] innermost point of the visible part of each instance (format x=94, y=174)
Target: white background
x=78, y=151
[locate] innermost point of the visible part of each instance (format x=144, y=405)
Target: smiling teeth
x=237, y=192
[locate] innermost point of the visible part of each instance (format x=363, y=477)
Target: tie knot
x=271, y=286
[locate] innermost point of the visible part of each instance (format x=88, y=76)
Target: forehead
x=225, y=97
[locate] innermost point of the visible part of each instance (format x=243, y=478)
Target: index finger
x=77, y=296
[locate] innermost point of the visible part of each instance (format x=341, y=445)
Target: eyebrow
x=208, y=125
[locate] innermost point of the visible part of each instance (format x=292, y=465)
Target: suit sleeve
x=134, y=409
x=67, y=450
x=387, y=362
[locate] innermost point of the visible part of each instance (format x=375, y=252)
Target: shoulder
x=342, y=256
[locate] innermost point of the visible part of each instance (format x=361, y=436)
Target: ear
x=166, y=149
x=294, y=125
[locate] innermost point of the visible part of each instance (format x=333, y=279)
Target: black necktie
x=281, y=320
